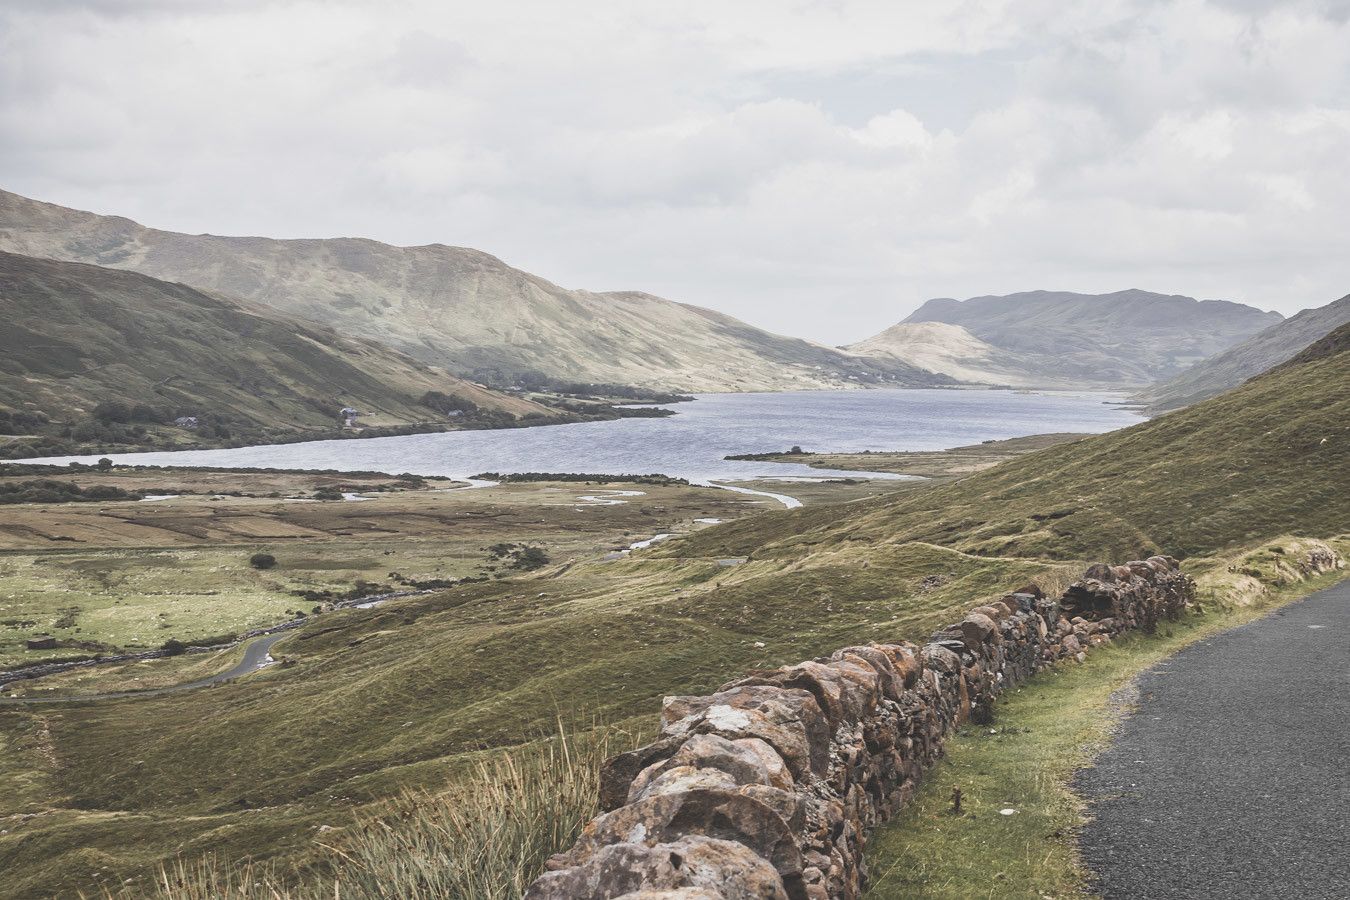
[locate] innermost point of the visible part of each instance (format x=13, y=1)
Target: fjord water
x=693, y=443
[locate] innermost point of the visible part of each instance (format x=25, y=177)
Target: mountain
x=85, y=346
x=1059, y=339
x=954, y=351
x=1258, y=353
x=459, y=308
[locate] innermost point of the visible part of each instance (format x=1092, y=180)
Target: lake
x=692, y=443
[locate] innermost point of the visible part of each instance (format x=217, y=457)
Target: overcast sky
x=817, y=168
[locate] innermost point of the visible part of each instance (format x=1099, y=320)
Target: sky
x=816, y=168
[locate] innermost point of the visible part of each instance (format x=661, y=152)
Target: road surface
x=1232, y=777
x=256, y=656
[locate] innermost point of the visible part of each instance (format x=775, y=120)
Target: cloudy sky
x=818, y=168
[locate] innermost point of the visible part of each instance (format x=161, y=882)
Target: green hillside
x=95, y=356
x=460, y=308
x=1261, y=351
x=1268, y=458
x=412, y=694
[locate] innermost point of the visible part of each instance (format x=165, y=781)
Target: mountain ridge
x=460, y=308
x=1059, y=339
x=1268, y=348
x=79, y=337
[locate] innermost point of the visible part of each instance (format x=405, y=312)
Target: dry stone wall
x=768, y=788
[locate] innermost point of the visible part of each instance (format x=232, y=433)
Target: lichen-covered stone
x=788, y=719
x=688, y=868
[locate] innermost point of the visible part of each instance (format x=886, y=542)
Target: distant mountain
x=1059, y=339
x=99, y=353
x=954, y=351
x=1260, y=352
x=459, y=308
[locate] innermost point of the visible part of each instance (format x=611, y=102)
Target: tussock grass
x=486, y=839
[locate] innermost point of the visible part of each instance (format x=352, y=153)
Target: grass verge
x=1044, y=732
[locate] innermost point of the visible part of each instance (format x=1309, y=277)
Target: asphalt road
x=256, y=656
x=1232, y=778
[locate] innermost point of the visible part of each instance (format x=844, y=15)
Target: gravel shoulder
x=1229, y=779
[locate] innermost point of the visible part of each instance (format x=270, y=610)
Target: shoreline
x=571, y=418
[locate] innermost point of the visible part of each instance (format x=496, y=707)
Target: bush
x=47, y=490
x=15, y=422
x=447, y=403
x=105, y=464
x=174, y=647
x=530, y=558
x=262, y=560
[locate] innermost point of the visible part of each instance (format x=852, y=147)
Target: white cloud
x=819, y=167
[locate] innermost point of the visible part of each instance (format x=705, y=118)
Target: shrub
x=174, y=647
x=530, y=558
x=262, y=560
x=447, y=403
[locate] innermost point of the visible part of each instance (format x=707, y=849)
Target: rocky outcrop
x=768, y=788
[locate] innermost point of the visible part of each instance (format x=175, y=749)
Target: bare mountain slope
x=76, y=336
x=1260, y=352
x=456, y=307
x=952, y=350
x=1057, y=339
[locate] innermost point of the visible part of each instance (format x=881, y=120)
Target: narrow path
x=789, y=502
x=1232, y=778
x=256, y=656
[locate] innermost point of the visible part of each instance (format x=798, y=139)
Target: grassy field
x=416, y=693
x=131, y=575
x=1042, y=734
x=931, y=464
x=409, y=694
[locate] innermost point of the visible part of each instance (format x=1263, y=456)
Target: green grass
x=1043, y=733
x=407, y=696
x=76, y=335
x=486, y=839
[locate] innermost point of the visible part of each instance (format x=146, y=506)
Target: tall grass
x=487, y=841
x=486, y=838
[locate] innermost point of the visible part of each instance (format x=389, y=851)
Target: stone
x=740, y=762
x=788, y=719
x=905, y=660
x=718, y=814
x=689, y=868
x=974, y=631
x=889, y=681
x=618, y=772
x=940, y=657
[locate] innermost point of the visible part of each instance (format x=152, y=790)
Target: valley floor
x=104, y=790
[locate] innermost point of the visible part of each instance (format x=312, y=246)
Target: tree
x=262, y=560
x=105, y=464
